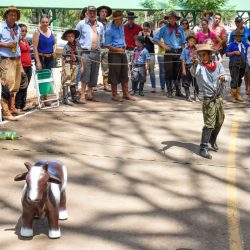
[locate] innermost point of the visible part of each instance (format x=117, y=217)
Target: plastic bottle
x=9, y=135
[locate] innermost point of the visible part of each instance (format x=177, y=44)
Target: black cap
x=238, y=19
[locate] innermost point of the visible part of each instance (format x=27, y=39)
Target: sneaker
x=153, y=90
x=141, y=93
x=133, y=92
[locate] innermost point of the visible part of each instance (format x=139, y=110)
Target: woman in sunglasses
x=185, y=25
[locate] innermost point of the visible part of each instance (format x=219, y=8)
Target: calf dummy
x=43, y=195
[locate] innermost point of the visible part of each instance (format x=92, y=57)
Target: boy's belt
x=139, y=65
x=45, y=55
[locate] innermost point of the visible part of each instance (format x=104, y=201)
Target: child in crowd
x=187, y=56
x=140, y=65
x=216, y=55
x=71, y=59
x=210, y=76
x=237, y=51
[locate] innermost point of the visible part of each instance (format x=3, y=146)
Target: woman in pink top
x=206, y=33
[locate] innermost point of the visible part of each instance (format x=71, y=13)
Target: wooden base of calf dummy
x=44, y=196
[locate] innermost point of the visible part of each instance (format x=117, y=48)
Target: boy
x=237, y=51
x=187, y=56
x=71, y=58
x=140, y=65
x=210, y=75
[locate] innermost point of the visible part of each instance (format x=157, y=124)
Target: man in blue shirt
x=237, y=51
x=10, y=64
x=174, y=41
x=118, y=63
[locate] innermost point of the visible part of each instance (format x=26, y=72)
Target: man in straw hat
x=103, y=12
x=210, y=76
x=10, y=64
x=174, y=41
x=237, y=51
x=118, y=63
x=91, y=40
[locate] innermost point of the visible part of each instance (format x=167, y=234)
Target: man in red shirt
x=131, y=29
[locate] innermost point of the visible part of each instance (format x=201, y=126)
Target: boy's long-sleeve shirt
x=207, y=79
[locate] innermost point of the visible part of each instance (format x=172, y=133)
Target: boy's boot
x=73, y=94
x=187, y=91
x=205, y=137
x=106, y=84
x=6, y=112
x=126, y=94
x=115, y=96
x=238, y=97
x=213, y=138
x=233, y=95
x=65, y=95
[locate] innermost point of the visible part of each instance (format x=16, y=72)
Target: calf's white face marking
x=35, y=175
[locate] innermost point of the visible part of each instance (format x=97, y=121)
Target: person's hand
x=81, y=69
x=237, y=53
x=184, y=72
x=62, y=72
x=11, y=45
x=195, y=61
x=222, y=78
x=54, y=54
x=23, y=74
x=166, y=47
x=121, y=50
x=38, y=66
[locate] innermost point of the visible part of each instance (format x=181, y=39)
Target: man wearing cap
x=91, y=40
x=118, y=63
x=174, y=41
x=103, y=12
x=220, y=32
x=10, y=64
x=131, y=29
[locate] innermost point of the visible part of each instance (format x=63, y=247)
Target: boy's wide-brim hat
x=131, y=15
x=70, y=31
x=192, y=36
x=204, y=47
x=106, y=8
x=172, y=14
x=12, y=8
x=238, y=33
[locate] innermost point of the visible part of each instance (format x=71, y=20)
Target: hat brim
x=106, y=8
x=70, y=31
x=15, y=10
x=132, y=17
x=168, y=16
x=207, y=49
x=208, y=12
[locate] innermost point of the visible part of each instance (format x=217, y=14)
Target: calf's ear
x=21, y=177
x=54, y=179
x=28, y=165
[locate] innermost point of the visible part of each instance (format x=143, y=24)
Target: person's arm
x=157, y=40
x=55, y=45
x=184, y=73
x=230, y=53
x=35, y=42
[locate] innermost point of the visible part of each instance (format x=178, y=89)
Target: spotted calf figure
x=43, y=195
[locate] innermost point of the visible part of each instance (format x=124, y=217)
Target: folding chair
x=46, y=89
